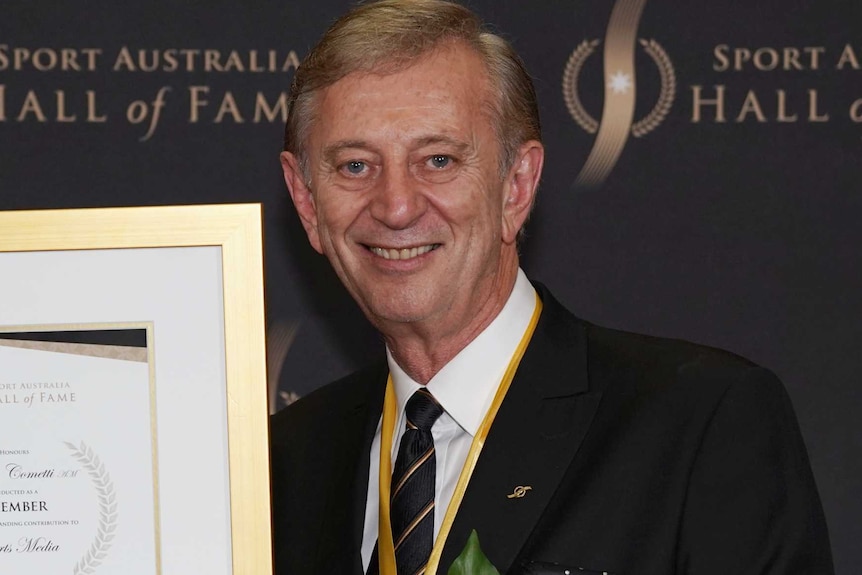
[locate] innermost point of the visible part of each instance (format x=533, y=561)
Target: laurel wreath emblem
x=107, y=508
x=651, y=121
x=570, y=85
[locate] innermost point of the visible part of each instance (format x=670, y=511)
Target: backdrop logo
x=617, y=120
x=60, y=85
x=620, y=83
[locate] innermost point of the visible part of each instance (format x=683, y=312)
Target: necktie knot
x=422, y=410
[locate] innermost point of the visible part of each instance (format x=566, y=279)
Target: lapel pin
x=519, y=492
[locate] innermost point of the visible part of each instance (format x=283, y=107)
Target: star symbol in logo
x=620, y=83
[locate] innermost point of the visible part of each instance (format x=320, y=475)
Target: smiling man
x=403, y=191
x=413, y=154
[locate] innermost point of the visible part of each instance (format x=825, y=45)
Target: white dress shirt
x=465, y=388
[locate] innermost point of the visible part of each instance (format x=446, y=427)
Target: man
x=413, y=156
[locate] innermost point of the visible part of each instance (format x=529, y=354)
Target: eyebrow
x=330, y=152
x=460, y=146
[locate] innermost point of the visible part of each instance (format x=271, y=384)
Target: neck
x=423, y=350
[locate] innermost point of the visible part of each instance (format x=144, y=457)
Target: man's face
x=406, y=198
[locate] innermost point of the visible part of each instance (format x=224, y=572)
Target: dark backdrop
x=734, y=221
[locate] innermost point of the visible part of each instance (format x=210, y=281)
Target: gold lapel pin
x=519, y=492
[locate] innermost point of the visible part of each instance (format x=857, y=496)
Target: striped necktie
x=412, y=493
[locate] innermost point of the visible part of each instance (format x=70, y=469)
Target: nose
x=398, y=201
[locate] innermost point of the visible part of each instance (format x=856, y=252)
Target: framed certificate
x=133, y=397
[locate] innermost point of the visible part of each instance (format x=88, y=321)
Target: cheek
x=475, y=198
x=336, y=213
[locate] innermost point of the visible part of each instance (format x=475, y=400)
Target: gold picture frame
x=236, y=231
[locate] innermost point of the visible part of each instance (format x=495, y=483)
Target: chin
x=399, y=308
x=397, y=315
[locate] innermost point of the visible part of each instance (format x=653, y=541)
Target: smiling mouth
x=403, y=253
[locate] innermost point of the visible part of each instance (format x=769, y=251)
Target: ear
x=303, y=200
x=522, y=182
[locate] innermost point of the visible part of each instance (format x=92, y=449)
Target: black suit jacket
x=644, y=456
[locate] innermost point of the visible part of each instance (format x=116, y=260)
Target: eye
x=439, y=161
x=355, y=167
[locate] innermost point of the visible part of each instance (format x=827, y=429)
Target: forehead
x=443, y=92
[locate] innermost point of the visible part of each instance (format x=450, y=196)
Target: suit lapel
x=339, y=551
x=535, y=436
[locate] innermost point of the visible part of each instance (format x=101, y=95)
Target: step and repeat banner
x=701, y=181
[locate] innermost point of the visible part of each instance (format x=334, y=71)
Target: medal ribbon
x=386, y=547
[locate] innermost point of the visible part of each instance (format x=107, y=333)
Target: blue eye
x=355, y=167
x=439, y=161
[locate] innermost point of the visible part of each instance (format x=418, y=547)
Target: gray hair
x=388, y=35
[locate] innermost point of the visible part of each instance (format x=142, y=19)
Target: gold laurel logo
x=279, y=338
x=641, y=128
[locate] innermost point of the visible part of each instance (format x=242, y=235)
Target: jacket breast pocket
x=541, y=568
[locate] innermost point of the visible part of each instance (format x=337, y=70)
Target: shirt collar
x=465, y=386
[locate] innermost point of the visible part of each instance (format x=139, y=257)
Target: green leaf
x=472, y=561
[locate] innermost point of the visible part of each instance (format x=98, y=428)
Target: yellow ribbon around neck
x=386, y=548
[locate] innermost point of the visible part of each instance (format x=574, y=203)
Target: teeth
x=403, y=254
